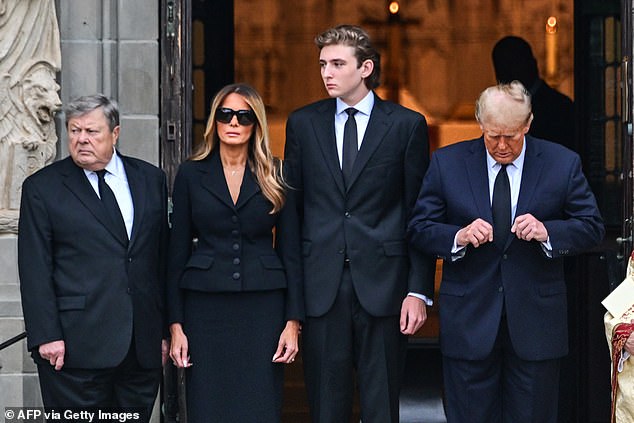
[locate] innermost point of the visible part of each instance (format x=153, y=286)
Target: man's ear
x=366, y=68
x=115, y=134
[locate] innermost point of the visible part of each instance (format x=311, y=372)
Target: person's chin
x=333, y=93
x=86, y=162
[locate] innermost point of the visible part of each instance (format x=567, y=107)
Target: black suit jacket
x=367, y=221
x=521, y=278
x=80, y=283
x=235, y=250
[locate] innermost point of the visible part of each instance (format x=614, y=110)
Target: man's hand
x=476, y=233
x=54, y=353
x=413, y=315
x=528, y=228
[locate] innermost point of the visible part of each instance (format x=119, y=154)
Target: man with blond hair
x=503, y=211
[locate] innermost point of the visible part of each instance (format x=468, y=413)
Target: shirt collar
x=364, y=106
x=114, y=166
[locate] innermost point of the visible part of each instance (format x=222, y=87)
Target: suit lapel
x=137, y=184
x=478, y=177
x=530, y=176
x=213, y=178
x=248, y=188
x=324, y=127
x=77, y=182
x=378, y=125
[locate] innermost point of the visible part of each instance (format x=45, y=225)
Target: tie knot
x=101, y=174
x=351, y=111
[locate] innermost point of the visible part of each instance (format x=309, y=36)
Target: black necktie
x=501, y=208
x=350, y=144
x=110, y=204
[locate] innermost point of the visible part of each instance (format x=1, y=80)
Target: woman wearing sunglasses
x=234, y=277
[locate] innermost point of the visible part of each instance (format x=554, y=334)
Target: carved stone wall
x=30, y=57
x=107, y=46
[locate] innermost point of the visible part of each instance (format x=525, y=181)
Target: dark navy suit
x=519, y=285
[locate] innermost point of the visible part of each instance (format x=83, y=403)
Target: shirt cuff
x=427, y=301
x=548, y=249
x=457, y=252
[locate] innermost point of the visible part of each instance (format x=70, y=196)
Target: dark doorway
x=212, y=57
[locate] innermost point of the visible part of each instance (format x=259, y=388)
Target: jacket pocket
x=453, y=289
x=200, y=262
x=271, y=262
x=77, y=302
x=551, y=289
x=395, y=248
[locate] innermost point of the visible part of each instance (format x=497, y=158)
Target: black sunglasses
x=245, y=117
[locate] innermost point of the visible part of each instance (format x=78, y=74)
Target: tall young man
x=357, y=162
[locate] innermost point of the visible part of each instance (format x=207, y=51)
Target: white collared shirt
x=514, y=171
x=117, y=180
x=364, y=109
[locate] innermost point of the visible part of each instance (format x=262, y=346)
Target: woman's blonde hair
x=266, y=168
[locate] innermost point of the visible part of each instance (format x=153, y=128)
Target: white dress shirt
x=364, y=109
x=514, y=171
x=117, y=180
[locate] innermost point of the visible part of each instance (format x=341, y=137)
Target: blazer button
x=347, y=214
x=235, y=232
x=236, y=276
x=236, y=247
x=234, y=219
x=236, y=260
x=501, y=289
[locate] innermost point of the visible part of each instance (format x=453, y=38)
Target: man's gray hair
x=86, y=104
x=514, y=89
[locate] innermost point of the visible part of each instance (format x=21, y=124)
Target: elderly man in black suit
x=91, y=245
x=357, y=163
